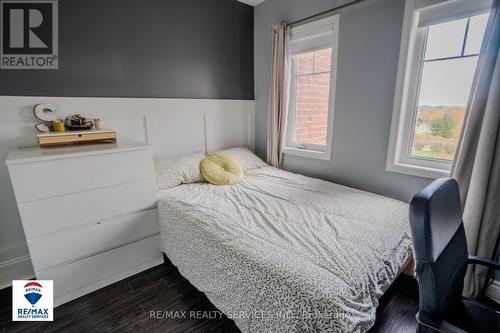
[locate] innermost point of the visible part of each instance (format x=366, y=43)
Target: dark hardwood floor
x=126, y=305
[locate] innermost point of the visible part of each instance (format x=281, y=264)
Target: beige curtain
x=278, y=94
x=477, y=164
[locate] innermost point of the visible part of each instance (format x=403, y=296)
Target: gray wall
x=369, y=41
x=146, y=48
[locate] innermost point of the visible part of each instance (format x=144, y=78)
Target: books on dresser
x=88, y=213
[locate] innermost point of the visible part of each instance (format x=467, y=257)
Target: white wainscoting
x=171, y=126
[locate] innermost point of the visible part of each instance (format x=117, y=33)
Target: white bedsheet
x=281, y=252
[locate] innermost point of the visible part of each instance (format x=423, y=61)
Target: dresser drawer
x=81, y=273
x=55, y=177
x=46, y=216
x=57, y=248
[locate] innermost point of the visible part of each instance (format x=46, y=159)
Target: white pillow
x=246, y=157
x=171, y=171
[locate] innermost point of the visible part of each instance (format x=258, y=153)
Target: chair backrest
x=439, y=246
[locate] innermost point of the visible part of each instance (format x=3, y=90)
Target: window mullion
x=311, y=74
x=452, y=58
x=314, y=62
x=465, y=37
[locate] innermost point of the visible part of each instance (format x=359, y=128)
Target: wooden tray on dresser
x=71, y=137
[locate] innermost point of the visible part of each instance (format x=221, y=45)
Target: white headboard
x=171, y=126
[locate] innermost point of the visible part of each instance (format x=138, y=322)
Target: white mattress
x=281, y=252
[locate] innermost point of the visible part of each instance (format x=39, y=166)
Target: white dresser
x=88, y=213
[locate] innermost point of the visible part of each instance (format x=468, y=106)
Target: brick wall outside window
x=312, y=96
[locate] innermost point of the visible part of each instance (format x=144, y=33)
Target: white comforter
x=280, y=252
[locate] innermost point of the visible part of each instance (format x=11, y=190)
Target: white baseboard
x=15, y=269
x=493, y=291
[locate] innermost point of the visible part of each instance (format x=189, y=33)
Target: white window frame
x=308, y=37
x=408, y=82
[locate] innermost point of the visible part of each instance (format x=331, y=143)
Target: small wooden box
x=71, y=137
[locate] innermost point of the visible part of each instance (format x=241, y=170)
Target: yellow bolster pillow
x=221, y=169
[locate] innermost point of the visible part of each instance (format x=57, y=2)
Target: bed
x=281, y=252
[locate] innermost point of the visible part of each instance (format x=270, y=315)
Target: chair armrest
x=483, y=261
x=437, y=325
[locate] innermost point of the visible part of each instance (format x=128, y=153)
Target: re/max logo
x=32, y=300
x=30, y=312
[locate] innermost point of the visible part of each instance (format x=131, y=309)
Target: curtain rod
x=326, y=12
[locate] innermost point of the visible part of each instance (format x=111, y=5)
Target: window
x=439, y=54
x=312, y=95
x=313, y=62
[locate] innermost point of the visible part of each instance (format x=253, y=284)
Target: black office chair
x=441, y=260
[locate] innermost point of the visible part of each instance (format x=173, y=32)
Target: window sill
x=320, y=155
x=417, y=170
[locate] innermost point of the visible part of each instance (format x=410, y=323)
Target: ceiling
x=252, y=2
